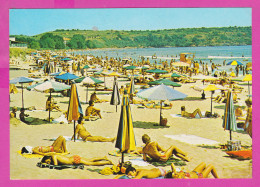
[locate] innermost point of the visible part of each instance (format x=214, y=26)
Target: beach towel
x=61, y=119
x=59, y=167
x=192, y=139
x=241, y=155
x=138, y=162
x=36, y=155
x=175, y=161
x=126, y=177
x=67, y=138
x=196, y=117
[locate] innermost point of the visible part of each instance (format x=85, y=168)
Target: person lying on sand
x=156, y=152
x=91, y=111
x=58, y=146
x=95, y=99
x=50, y=104
x=86, y=136
x=75, y=160
x=23, y=115
x=201, y=171
x=190, y=115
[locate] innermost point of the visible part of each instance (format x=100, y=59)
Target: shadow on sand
x=148, y=125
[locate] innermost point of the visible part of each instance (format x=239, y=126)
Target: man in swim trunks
x=86, y=136
x=91, y=111
x=75, y=160
x=145, y=173
x=58, y=146
x=156, y=152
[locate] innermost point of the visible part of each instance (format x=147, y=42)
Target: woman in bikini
x=201, y=171
x=58, y=146
x=75, y=160
x=190, y=115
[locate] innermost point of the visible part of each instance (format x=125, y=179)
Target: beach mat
x=240, y=155
x=59, y=167
x=67, y=138
x=148, y=125
x=36, y=155
x=175, y=161
x=192, y=139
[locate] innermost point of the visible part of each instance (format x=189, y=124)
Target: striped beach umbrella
x=125, y=136
x=229, y=120
x=234, y=63
x=115, y=98
x=74, y=109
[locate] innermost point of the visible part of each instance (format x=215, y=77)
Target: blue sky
x=36, y=21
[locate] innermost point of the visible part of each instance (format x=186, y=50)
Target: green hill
x=184, y=37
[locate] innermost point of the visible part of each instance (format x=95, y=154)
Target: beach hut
x=229, y=120
x=161, y=93
x=21, y=80
x=115, y=98
x=74, y=108
x=125, y=136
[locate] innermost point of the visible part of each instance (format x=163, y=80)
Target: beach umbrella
x=229, y=120
x=66, y=59
x=248, y=78
x=88, y=81
x=204, y=77
x=21, y=80
x=161, y=93
x=115, y=98
x=86, y=67
x=211, y=88
x=51, y=86
x=234, y=63
x=79, y=80
x=74, y=109
x=158, y=71
x=58, y=73
x=165, y=82
x=125, y=136
x=66, y=77
x=130, y=68
x=175, y=75
x=131, y=89
x=114, y=74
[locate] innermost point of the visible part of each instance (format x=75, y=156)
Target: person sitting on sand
x=95, y=99
x=190, y=115
x=50, y=104
x=74, y=160
x=200, y=172
x=23, y=115
x=86, y=136
x=157, y=153
x=248, y=122
x=92, y=112
x=239, y=113
x=58, y=146
x=13, y=113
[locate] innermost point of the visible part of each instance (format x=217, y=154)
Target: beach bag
x=163, y=122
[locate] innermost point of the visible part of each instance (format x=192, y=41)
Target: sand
x=22, y=134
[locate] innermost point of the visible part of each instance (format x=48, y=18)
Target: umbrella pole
x=160, y=113
x=211, y=102
x=104, y=80
x=122, y=158
x=87, y=95
x=230, y=135
x=248, y=90
x=22, y=97
x=50, y=108
x=116, y=108
x=74, y=131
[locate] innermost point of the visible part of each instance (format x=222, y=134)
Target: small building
x=13, y=43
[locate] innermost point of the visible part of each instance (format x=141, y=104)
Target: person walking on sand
x=75, y=160
x=58, y=146
x=86, y=136
x=156, y=152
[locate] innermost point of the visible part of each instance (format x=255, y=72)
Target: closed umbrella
x=115, y=98
x=74, y=109
x=50, y=86
x=131, y=89
x=21, y=80
x=229, y=120
x=212, y=88
x=125, y=136
x=161, y=93
x=88, y=81
x=248, y=78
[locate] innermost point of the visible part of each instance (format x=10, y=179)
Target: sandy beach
x=209, y=128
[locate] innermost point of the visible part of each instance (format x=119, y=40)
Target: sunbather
x=248, y=122
x=190, y=115
x=13, y=113
x=86, y=136
x=23, y=115
x=50, y=104
x=75, y=160
x=131, y=172
x=95, y=99
x=201, y=171
x=58, y=146
x=91, y=111
x=156, y=152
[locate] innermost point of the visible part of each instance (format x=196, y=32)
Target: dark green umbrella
x=86, y=67
x=156, y=71
x=130, y=67
x=165, y=82
x=175, y=75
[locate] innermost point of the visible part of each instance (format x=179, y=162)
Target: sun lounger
x=59, y=167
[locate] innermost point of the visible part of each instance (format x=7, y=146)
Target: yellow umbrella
x=232, y=74
x=114, y=74
x=212, y=88
x=248, y=78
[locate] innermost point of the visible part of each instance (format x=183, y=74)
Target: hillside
x=218, y=36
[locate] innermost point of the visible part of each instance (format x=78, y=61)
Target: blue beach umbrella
x=229, y=120
x=125, y=136
x=66, y=76
x=21, y=80
x=234, y=63
x=161, y=93
x=66, y=59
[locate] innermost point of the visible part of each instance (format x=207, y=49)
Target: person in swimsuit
x=157, y=153
x=75, y=160
x=145, y=173
x=190, y=115
x=200, y=172
x=248, y=122
x=86, y=136
x=91, y=111
x=23, y=115
x=13, y=113
x=58, y=146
